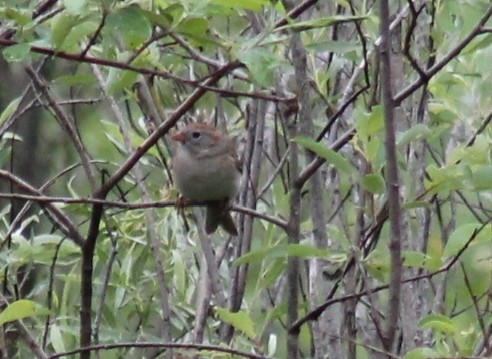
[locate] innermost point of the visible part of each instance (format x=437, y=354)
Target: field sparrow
x=206, y=169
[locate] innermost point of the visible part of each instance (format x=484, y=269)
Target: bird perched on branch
x=206, y=170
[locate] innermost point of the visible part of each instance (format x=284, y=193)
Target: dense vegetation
x=365, y=208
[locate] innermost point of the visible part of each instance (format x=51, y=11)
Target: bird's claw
x=181, y=203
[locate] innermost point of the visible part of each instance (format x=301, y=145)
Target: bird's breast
x=206, y=179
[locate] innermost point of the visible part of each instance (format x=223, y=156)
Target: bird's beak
x=178, y=137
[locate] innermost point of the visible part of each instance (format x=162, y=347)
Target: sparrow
x=206, y=169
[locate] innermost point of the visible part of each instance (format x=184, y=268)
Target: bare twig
x=65, y=122
x=438, y=66
x=94, y=37
x=197, y=347
x=66, y=225
x=135, y=206
x=316, y=312
x=392, y=181
x=480, y=316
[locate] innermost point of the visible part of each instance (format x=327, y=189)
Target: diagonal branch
x=66, y=225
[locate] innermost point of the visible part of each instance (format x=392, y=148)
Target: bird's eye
x=195, y=135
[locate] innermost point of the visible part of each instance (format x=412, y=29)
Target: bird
x=205, y=169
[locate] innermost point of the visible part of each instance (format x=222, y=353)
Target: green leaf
x=444, y=179
x=417, y=132
x=163, y=20
x=77, y=79
x=61, y=26
x=179, y=272
x=77, y=34
x=373, y=183
x=174, y=12
x=253, y=5
x=321, y=22
x=377, y=264
x=339, y=47
x=119, y=80
x=307, y=251
x=20, y=309
x=17, y=53
x=239, y=320
x=415, y=259
x=193, y=26
x=75, y=7
x=459, y=238
x=480, y=43
x=41, y=249
x=274, y=269
x=10, y=109
x=56, y=339
x=131, y=24
x=332, y=157
x=422, y=353
x=438, y=322
x=23, y=17
x=261, y=63
x=261, y=254
x=482, y=178
x=369, y=124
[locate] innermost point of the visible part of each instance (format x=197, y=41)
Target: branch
x=135, y=206
x=199, y=347
x=477, y=30
x=295, y=12
x=317, y=162
x=392, y=181
x=316, y=312
x=99, y=61
x=65, y=122
x=66, y=225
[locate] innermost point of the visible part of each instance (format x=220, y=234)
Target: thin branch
x=318, y=162
x=339, y=112
x=248, y=198
x=392, y=181
x=406, y=47
x=451, y=55
x=94, y=37
x=275, y=173
x=145, y=45
x=49, y=299
x=480, y=316
x=135, y=206
x=148, y=71
x=295, y=12
x=66, y=225
x=86, y=280
x=316, y=312
x=362, y=65
x=105, y=285
x=99, y=61
x=479, y=130
x=210, y=261
x=199, y=347
x=198, y=56
x=65, y=122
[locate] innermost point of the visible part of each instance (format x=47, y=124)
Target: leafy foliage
x=86, y=132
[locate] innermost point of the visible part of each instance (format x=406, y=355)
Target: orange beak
x=178, y=137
